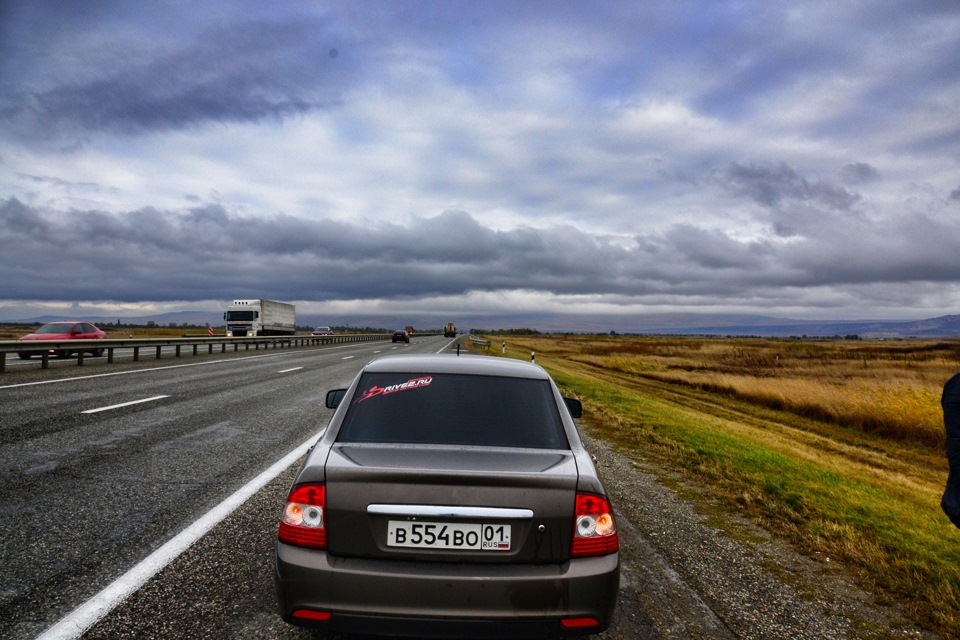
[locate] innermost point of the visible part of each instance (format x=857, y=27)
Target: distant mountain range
x=671, y=324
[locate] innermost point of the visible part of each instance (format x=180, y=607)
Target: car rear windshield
x=454, y=410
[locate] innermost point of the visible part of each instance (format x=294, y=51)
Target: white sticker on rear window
x=413, y=383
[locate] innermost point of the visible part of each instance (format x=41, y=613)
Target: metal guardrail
x=111, y=344
x=479, y=342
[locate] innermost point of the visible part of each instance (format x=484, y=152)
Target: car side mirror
x=574, y=406
x=335, y=397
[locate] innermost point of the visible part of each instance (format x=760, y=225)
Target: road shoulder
x=693, y=580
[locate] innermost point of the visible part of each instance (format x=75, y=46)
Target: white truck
x=260, y=318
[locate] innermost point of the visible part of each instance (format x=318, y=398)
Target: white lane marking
x=444, y=348
x=124, y=404
x=348, y=358
x=289, y=370
x=151, y=369
x=97, y=607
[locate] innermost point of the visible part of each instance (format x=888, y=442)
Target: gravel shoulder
x=683, y=578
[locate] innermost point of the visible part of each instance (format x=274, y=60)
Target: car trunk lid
x=450, y=503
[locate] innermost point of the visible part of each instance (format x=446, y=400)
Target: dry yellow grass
x=891, y=388
x=837, y=446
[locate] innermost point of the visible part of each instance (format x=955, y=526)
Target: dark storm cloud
x=715, y=250
x=772, y=184
x=249, y=72
x=210, y=253
x=706, y=154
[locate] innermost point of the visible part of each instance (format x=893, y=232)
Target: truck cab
x=241, y=322
x=249, y=318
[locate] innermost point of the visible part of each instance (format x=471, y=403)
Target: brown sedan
x=449, y=496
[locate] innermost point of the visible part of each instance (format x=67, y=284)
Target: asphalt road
x=91, y=485
x=94, y=490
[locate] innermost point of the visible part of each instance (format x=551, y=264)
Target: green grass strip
x=885, y=525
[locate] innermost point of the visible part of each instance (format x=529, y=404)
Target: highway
x=141, y=500
x=101, y=465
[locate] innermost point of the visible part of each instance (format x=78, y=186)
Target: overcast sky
x=799, y=159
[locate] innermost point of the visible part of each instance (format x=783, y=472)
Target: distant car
x=322, y=331
x=449, y=496
x=400, y=334
x=64, y=331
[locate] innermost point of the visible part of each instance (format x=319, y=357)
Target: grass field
x=837, y=446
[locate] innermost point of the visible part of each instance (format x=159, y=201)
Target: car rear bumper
x=426, y=599
x=35, y=352
x=58, y=352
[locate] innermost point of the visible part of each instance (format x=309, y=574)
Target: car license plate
x=448, y=535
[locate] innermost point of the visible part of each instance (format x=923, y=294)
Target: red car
x=64, y=331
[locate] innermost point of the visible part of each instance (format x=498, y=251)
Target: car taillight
x=594, y=532
x=575, y=623
x=304, y=523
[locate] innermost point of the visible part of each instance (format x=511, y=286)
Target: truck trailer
x=450, y=331
x=248, y=318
